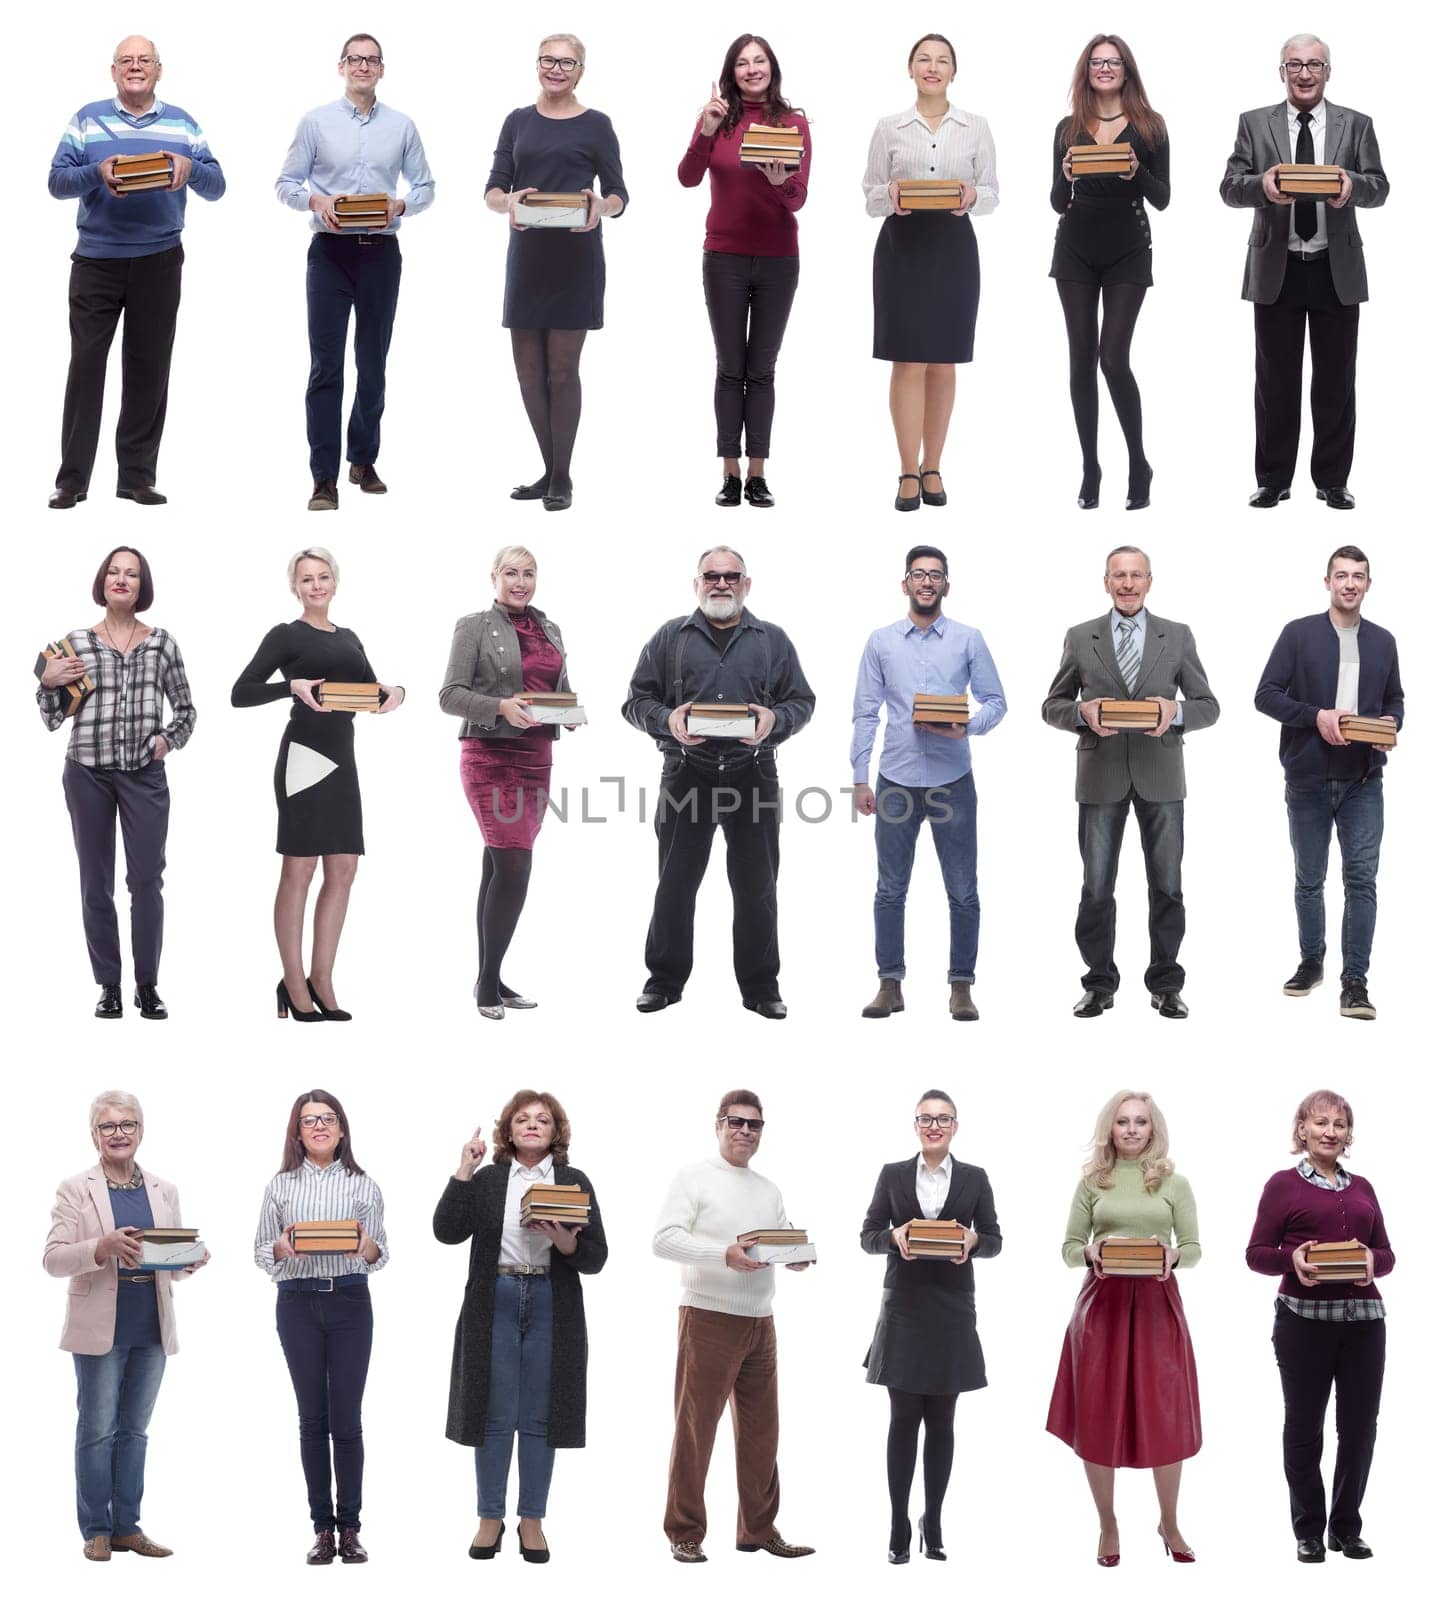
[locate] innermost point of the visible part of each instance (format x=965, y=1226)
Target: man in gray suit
x=1130, y=654
x=1304, y=269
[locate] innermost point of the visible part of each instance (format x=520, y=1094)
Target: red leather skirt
x=1126, y=1394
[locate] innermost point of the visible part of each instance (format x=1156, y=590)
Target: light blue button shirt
x=903, y=660
x=339, y=150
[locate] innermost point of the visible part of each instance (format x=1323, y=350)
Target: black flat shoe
x=756, y=492
x=109, y=1007
x=1353, y=1547
x=941, y=498
x=931, y=1541
x=1088, y=490
x=285, y=1006
x=1139, y=485
x=1169, y=1005
x=64, y=499
x=731, y=492
x=1310, y=1551
x=770, y=1010
x=147, y=495
x=652, y=1000
x=1337, y=499
x=531, y=491
x=558, y=502
x=899, y=1541
x=486, y=1552
x=1265, y=499
x=335, y=1015
x=1093, y=1003
x=149, y=1004
x=906, y=502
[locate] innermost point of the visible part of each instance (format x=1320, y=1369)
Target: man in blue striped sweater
x=128, y=261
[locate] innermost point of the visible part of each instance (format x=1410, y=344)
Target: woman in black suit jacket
x=520, y=1349
x=925, y=1349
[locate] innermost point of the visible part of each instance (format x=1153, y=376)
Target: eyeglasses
x=564, y=63
x=919, y=575
x=1293, y=68
x=1113, y=63
x=110, y=1129
x=753, y=1124
x=325, y=1119
x=709, y=579
x=363, y=61
x=943, y=1120
x=135, y=61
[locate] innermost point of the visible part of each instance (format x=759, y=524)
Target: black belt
x=357, y=237
x=1309, y=255
x=350, y=1280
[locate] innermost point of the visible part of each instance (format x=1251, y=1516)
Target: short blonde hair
x=121, y=1102
x=1098, y=1169
x=316, y=552
x=513, y=552
x=571, y=39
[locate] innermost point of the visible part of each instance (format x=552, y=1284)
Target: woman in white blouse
x=926, y=263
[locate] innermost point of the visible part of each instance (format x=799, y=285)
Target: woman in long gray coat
x=520, y=1349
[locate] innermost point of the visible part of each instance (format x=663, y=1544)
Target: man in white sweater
x=727, y=1352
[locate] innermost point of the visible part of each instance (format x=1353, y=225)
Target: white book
x=780, y=1255
x=739, y=726
x=564, y=716
x=166, y=1256
x=550, y=216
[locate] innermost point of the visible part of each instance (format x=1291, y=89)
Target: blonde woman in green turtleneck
x=1126, y=1394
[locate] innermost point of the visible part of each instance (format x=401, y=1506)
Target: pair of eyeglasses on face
x=943, y=1120
x=364, y=61
x=1313, y=68
x=108, y=1130
x=920, y=575
x=710, y=579
x=143, y=62
x=325, y=1119
x=560, y=63
x=753, y=1124
x=1098, y=63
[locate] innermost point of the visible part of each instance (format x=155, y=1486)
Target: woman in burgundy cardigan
x=1326, y=1334
x=751, y=254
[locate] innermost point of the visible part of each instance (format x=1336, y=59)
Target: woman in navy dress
x=554, y=280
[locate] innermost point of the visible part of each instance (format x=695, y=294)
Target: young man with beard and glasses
x=1130, y=654
x=1304, y=271
x=127, y=262
x=727, y=1352
x=351, y=146
x=1341, y=662
x=719, y=654
x=925, y=772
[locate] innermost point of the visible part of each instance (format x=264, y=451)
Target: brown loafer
x=889, y=999
x=97, y=1547
x=325, y=496
x=368, y=479
x=961, y=1004
x=689, y=1551
x=141, y=1544
x=351, y=1550
x=775, y=1546
x=322, y=1551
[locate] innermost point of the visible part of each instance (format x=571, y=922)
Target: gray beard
x=721, y=608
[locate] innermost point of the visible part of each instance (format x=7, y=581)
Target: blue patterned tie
x=1128, y=652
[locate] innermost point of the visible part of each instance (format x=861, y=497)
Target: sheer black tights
x=547, y=362
x=503, y=885
x=1091, y=350
x=936, y=1413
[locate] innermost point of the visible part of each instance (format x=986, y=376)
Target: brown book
x=377, y=201
x=170, y=1235
x=761, y=143
x=1338, y=1261
x=349, y=696
x=936, y=1236
x=560, y=201
x=1368, y=730
x=326, y=1238
x=945, y=708
x=1121, y=1257
x=929, y=194
x=133, y=173
x=1128, y=713
x=557, y=697
x=1296, y=177
x=77, y=691
x=774, y=1236
x=1098, y=160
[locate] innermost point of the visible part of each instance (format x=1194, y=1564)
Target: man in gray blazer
x=1130, y=654
x=1304, y=269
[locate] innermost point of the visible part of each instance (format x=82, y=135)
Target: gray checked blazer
x=1262, y=142
x=1108, y=768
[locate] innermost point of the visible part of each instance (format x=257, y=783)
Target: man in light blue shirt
x=925, y=772
x=353, y=146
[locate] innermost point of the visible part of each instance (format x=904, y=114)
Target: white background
x=417, y=1070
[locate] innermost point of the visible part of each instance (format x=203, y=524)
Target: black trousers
x=1307, y=302
x=95, y=796
x=749, y=299
x=146, y=289
x=1160, y=831
x=1314, y=1359
x=691, y=804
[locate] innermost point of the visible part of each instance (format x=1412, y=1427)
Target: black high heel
x=538, y=1556
x=285, y=1006
x=486, y=1552
x=330, y=1015
x=903, y=502
x=931, y=1543
x=1138, y=487
x=899, y=1543
x=1088, y=489
x=930, y=499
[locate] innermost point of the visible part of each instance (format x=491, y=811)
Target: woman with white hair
x=119, y=1321
x=1126, y=1394
x=316, y=781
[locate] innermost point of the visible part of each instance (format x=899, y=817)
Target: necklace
x=130, y=637
x=135, y=1180
x=1113, y=118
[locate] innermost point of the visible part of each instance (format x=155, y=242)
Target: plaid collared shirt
x=117, y=725
x=1332, y=1310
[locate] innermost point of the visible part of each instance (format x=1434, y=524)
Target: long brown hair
x=294, y=1155
x=1140, y=115
x=775, y=105
x=504, y=1125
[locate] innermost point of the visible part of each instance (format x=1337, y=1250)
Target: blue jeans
x=1160, y=832
x=116, y=1394
x=951, y=812
x=1356, y=806
x=519, y=1364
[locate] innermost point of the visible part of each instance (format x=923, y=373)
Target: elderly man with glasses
x=719, y=771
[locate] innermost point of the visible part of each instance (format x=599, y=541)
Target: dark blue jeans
x=519, y=1366
x=1355, y=806
x=116, y=1394
x=951, y=813
x=348, y=273
x=1160, y=831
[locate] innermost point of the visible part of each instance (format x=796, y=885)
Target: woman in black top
x=926, y=1349
x=316, y=781
x=554, y=280
x=1102, y=249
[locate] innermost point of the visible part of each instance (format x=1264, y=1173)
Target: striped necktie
x=1128, y=652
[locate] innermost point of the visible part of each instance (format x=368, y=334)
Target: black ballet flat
x=330, y=1014
x=756, y=492
x=929, y=499
x=1138, y=487
x=530, y=491
x=1088, y=490
x=731, y=492
x=559, y=499
x=903, y=502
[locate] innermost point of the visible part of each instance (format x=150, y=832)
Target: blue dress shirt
x=903, y=660
x=339, y=150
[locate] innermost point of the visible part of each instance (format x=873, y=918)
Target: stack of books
x=1308, y=180
x=74, y=692
x=1131, y=1258
x=362, y=213
x=552, y=210
x=326, y=1238
x=1099, y=160
x=777, y=1246
x=560, y=706
x=936, y=1238
x=941, y=708
x=761, y=144
x=170, y=1249
x=1338, y=1263
x=720, y=722
x=349, y=696
x=1128, y=713
x=133, y=173
x=1368, y=730
x=554, y=1202
x=930, y=194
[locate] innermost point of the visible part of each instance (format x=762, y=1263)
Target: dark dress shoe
x=931, y=1540
x=776, y=1546
x=109, y=1006
x=325, y=496
x=1310, y=1551
x=931, y=497
x=538, y=1557
x=329, y=1013
x=653, y=1000
x=63, y=500
x=961, y=1003
x=899, y=1540
x=1139, y=484
x=533, y=491
x=756, y=492
x=149, y=1003
x=145, y=495
x=1169, y=1005
x=351, y=1550
x=1093, y=1003
x=1306, y=979
x=1354, y=1002
x=486, y=1552
x=1265, y=499
x=771, y=1010
x=322, y=1551
x=908, y=502
x=889, y=999
x=1352, y=1546
x=731, y=492
x=368, y=480
x=1337, y=499
x=1088, y=490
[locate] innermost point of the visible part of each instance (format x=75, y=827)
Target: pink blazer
x=82, y=1215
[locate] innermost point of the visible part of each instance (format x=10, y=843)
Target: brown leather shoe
x=140, y=1543
x=325, y=496
x=368, y=479
x=689, y=1551
x=961, y=1004
x=889, y=999
x=776, y=1546
x=351, y=1550
x=322, y=1551
x=97, y=1547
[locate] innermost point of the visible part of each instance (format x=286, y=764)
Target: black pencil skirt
x=926, y=288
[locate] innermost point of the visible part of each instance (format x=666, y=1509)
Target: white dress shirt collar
x=951, y=114
x=944, y=1170
x=540, y=1172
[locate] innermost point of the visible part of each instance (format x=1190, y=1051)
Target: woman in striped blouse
x=323, y=1317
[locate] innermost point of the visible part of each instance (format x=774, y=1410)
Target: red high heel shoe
x=1107, y=1561
x=1183, y=1557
